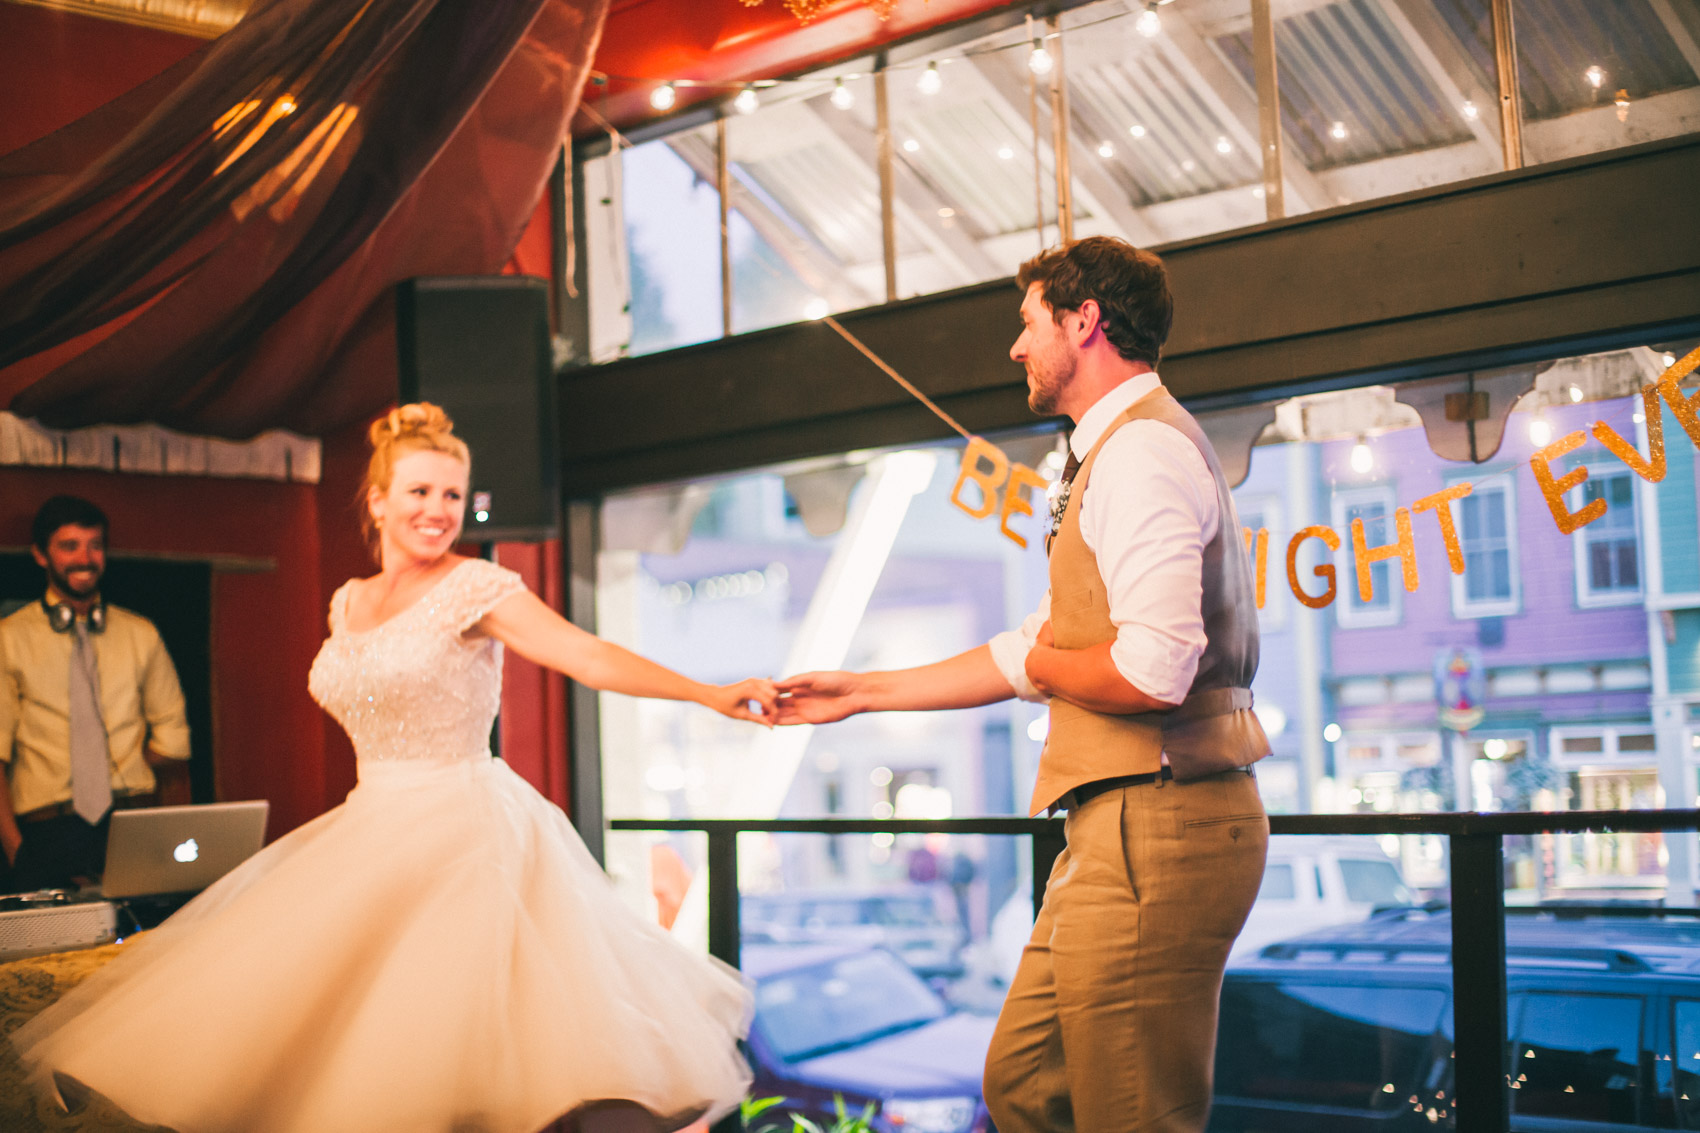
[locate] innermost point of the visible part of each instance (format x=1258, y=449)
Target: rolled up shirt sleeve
x=1010, y=649
x=1149, y=511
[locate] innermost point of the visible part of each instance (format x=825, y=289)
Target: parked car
x=916, y=922
x=1313, y=882
x=857, y=1024
x=1350, y=1028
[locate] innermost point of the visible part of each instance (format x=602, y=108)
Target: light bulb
x=1136, y=130
x=1105, y=149
x=1469, y=110
x=1149, y=23
x=1363, y=460
x=1575, y=393
x=1540, y=433
x=663, y=97
x=1331, y=733
x=1622, y=101
x=1257, y=191
x=747, y=101
x=1040, y=62
x=930, y=81
x=910, y=145
x=816, y=308
x=1595, y=76
x=841, y=96
x=1668, y=359
x=1337, y=131
x=1224, y=146
x=1006, y=153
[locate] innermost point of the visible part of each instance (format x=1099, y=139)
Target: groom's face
x=1047, y=353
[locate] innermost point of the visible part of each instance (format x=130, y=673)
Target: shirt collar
x=1106, y=409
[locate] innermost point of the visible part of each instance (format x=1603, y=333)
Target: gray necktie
x=91, y=759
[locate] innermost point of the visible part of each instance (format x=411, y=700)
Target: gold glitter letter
x=1441, y=503
x=1554, y=489
x=1257, y=546
x=1405, y=548
x=1652, y=469
x=1325, y=571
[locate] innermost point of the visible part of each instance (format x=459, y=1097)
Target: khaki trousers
x=1110, y=1023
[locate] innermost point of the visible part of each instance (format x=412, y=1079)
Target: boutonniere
x=1059, y=504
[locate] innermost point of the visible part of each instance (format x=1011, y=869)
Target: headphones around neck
x=61, y=616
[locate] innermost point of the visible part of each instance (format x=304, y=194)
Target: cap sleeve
x=480, y=586
x=339, y=606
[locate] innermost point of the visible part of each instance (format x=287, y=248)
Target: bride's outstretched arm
x=524, y=624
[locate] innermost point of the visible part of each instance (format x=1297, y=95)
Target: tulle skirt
x=438, y=953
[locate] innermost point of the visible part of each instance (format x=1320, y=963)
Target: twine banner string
x=897, y=377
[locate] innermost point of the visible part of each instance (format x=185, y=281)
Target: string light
x=1006, y=153
x=1595, y=76
x=747, y=101
x=1668, y=359
x=1040, y=61
x=1136, y=130
x=910, y=145
x=1149, y=22
x=1469, y=110
x=664, y=96
x=816, y=309
x=1575, y=394
x=1105, y=149
x=1224, y=146
x=1337, y=131
x=1540, y=433
x=842, y=96
x=1363, y=460
x=930, y=82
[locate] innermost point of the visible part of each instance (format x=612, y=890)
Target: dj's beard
x=63, y=584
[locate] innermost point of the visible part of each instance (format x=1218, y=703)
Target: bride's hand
x=734, y=700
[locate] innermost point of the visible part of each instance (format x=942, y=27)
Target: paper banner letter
x=1441, y=503
x=1326, y=571
x=1016, y=502
x=989, y=482
x=1257, y=546
x=1651, y=469
x=1553, y=489
x=1364, y=555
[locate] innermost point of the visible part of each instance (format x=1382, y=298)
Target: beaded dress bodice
x=416, y=686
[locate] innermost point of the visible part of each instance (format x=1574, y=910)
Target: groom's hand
x=818, y=698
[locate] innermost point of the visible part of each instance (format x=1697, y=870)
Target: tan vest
x=1214, y=729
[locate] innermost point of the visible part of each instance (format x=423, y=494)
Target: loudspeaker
x=479, y=346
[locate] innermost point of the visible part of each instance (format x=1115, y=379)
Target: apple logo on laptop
x=186, y=851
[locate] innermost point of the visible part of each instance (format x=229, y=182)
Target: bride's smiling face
x=421, y=513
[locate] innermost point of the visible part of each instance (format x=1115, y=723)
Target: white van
x=1312, y=882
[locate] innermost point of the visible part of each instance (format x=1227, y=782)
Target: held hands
x=818, y=698
x=734, y=700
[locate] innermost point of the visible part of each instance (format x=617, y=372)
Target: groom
x=1145, y=648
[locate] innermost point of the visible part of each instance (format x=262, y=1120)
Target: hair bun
x=420, y=418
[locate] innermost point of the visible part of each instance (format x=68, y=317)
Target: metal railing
x=1477, y=858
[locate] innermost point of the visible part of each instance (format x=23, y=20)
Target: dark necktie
x=1059, y=502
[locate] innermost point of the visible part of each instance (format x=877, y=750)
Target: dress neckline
x=404, y=611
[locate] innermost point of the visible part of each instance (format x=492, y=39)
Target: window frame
x=1586, y=596
x=1463, y=607
x=1277, y=603
x=1345, y=565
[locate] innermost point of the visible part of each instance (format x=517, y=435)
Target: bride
x=440, y=952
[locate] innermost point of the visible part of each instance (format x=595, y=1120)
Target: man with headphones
x=89, y=705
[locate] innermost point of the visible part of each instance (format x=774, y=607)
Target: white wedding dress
x=439, y=953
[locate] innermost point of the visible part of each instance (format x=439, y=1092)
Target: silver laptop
x=179, y=849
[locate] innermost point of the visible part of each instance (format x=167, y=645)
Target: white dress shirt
x=1148, y=512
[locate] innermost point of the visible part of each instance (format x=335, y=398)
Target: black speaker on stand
x=479, y=346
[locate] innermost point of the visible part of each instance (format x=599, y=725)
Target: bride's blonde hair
x=419, y=427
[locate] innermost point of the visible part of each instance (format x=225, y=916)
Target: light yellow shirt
x=141, y=704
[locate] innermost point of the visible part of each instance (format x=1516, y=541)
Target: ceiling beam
x=952, y=242
x=817, y=267
x=1440, y=55
x=1220, y=87
x=1679, y=33
x=1097, y=190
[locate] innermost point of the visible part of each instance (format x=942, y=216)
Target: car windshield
x=845, y=1003
x=1373, y=883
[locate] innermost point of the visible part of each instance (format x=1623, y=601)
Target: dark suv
x=1351, y=1028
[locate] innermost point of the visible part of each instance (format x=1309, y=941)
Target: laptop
x=179, y=849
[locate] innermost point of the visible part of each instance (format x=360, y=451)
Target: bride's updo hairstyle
x=419, y=427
